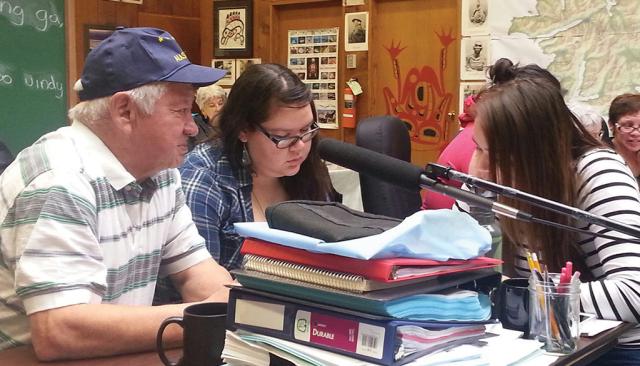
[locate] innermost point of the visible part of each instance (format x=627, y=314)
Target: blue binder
x=374, y=302
x=364, y=336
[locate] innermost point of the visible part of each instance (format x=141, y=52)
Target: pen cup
x=554, y=313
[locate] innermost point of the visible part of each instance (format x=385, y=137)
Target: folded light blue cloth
x=431, y=234
x=458, y=305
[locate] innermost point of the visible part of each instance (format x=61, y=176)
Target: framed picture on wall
x=475, y=17
x=232, y=28
x=243, y=63
x=230, y=66
x=467, y=89
x=94, y=34
x=356, y=31
x=474, y=57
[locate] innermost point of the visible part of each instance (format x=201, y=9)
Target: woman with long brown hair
x=266, y=153
x=528, y=139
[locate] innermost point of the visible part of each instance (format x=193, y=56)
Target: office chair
x=387, y=135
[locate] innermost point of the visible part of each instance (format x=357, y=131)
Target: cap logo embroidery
x=180, y=56
x=162, y=38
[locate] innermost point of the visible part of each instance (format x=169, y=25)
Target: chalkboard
x=33, y=84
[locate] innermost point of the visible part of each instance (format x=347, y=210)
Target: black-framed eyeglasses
x=627, y=129
x=283, y=142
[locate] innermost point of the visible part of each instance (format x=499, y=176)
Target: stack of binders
x=383, y=311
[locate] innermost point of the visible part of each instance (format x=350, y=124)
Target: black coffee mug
x=513, y=304
x=203, y=334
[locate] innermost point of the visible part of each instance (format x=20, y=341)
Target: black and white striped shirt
x=608, y=188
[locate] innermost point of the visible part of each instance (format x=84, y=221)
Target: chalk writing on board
x=45, y=82
x=6, y=77
x=40, y=19
x=48, y=82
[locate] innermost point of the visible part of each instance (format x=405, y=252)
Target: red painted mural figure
x=421, y=99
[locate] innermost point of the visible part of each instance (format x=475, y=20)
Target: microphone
x=435, y=171
x=368, y=162
x=401, y=173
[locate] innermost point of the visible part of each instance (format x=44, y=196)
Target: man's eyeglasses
x=627, y=129
x=288, y=141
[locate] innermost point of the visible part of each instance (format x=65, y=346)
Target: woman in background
x=456, y=155
x=591, y=120
x=527, y=138
x=624, y=121
x=265, y=154
x=210, y=100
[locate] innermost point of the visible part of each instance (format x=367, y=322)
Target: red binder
x=384, y=270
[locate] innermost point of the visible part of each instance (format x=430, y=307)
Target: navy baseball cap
x=132, y=57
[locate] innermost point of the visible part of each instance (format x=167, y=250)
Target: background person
x=266, y=154
x=528, y=139
x=624, y=121
x=210, y=100
x=93, y=212
x=591, y=120
x=456, y=155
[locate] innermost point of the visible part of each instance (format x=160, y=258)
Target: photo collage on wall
x=313, y=56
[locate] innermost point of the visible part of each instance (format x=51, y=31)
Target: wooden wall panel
x=102, y=12
x=182, y=29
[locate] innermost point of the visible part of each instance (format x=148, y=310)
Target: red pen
x=563, y=275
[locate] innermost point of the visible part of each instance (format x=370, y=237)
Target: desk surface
x=588, y=350
x=24, y=356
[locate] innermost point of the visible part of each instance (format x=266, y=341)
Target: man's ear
x=123, y=111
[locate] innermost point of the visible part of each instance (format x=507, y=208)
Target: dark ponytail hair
x=505, y=70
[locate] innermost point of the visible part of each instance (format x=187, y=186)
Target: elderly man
x=93, y=213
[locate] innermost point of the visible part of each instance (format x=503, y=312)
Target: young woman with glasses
x=266, y=154
x=624, y=121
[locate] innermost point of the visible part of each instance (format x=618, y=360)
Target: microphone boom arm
x=473, y=199
x=436, y=170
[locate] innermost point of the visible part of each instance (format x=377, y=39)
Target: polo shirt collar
x=101, y=156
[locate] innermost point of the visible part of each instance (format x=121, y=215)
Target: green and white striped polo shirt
x=77, y=228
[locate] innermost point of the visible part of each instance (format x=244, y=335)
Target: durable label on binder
x=345, y=334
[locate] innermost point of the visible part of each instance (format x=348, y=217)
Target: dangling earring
x=246, y=158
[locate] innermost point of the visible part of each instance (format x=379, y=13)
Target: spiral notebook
x=381, y=270
x=339, y=280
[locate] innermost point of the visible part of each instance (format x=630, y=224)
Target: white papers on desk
x=593, y=326
x=347, y=183
x=520, y=352
x=251, y=349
